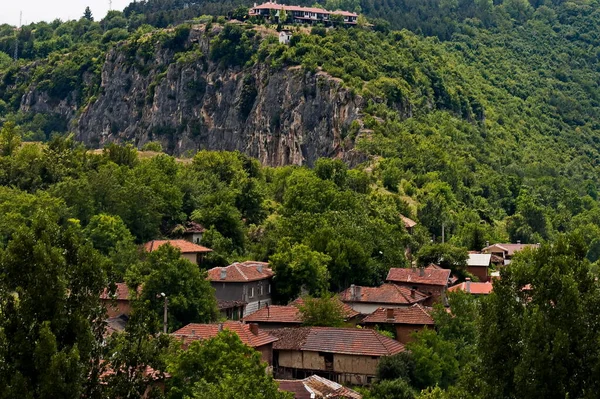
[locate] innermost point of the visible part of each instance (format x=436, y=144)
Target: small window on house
x=269, y=288
x=252, y=292
x=260, y=290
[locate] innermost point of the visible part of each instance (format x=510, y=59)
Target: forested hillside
x=480, y=121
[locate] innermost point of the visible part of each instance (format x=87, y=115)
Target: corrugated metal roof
x=482, y=260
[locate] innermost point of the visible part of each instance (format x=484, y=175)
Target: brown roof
x=184, y=246
x=510, y=249
x=453, y=279
x=241, y=272
x=349, y=313
x=121, y=293
x=415, y=314
x=428, y=276
x=230, y=304
x=386, y=293
x=195, y=332
x=408, y=223
x=193, y=227
x=321, y=387
x=351, y=341
x=474, y=288
x=275, y=314
x=275, y=6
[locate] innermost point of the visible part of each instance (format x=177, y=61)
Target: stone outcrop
x=280, y=116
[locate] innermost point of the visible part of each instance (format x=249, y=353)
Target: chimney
x=193, y=333
x=220, y=327
x=412, y=292
x=421, y=271
x=518, y=241
x=352, y=292
x=487, y=244
x=268, y=311
x=357, y=291
x=389, y=313
x=223, y=273
x=468, y=284
x=253, y=328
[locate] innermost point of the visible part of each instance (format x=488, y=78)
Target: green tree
x=444, y=255
x=10, y=139
x=325, y=311
x=221, y=367
x=540, y=325
x=296, y=268
x=191, y=297
x=87, y=14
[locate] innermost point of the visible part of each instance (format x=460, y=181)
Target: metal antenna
x=109, y=5
x=17, y=37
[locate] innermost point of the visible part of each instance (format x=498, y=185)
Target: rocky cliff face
x=284, y=116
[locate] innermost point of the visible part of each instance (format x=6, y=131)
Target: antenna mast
x=109, y=5
x=17, y=37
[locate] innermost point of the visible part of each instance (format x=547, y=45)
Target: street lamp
x=165, y=306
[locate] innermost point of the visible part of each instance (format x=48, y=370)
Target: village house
x=116, y=303
x=409, y=224
x=478, y=265
x=285, y=36
x=231, y=310
x=302, y=14
x=250, y=334
x=505, y=252
x=343, y=355
x=193, y=232
x=190, y=251
x=315, y=387
x=366, y=300
x=473, y=288
x=430, y=281
x=403, y=321
x=248, y=282
x=271, y=317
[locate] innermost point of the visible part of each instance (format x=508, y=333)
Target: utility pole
x=443, y=231
x=16, y=56
x=165, y=307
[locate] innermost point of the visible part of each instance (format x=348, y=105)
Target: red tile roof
x=408, y=223
x=427, y=276
x=386, y=293
x=241, y=272
x=184, y=246
x=275, y=6
x=195, y=332
x=121, y=293
x=510, y=249
x=349, y=313
x=275, y=314
x=453, y=279
x=222, y=305
x=321, y=387
x=415, y=314
x=350, y=341
x=193, y=227
x=474, y=288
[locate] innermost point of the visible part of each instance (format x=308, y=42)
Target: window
x=269, y=288
x=252, y=292
x=260, y=290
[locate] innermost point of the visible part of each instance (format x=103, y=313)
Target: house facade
x=404, y=322
x=342, y=355
x=116, y=303
x=248, y=282
x=505, y=251
x=303, y=14
x=478, y=265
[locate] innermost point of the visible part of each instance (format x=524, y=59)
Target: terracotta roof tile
x=276, y=6
x=474, y=288
x=121, y=293
x=195, y=332
x=408, y=223
x=193, y=227
x=241, y=272
x=184, y=246
x=510, y=249
x=321, y=387
x=349, y=313
x=386, y=293
x=275, y=314
x=351, y=341
x=428, y=276
x=415, y=314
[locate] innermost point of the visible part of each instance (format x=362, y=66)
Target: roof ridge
x=379, y=336
x=402, y=293
x=236, y=265
x=423, y=310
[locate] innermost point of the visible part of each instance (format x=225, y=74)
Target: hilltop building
x=302, y=14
